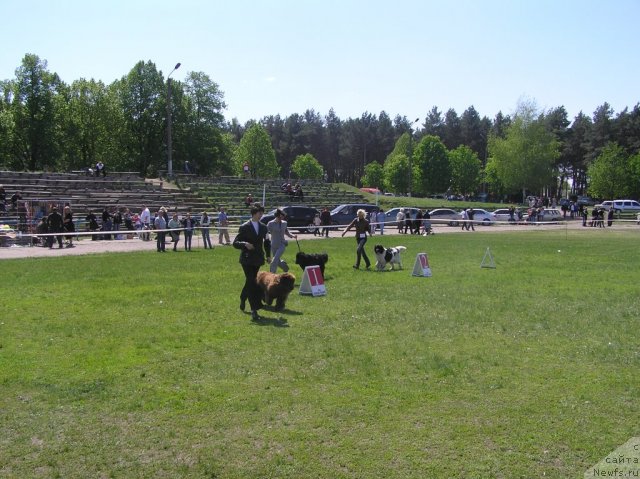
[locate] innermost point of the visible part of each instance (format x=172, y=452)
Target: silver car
x=481, y=217
x=444, y=216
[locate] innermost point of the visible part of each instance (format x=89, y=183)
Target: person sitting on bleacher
x=100, y=169
x=17, y=196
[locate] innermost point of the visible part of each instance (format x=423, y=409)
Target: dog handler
x=362, y=229
x=277, y=228
x=254, y=245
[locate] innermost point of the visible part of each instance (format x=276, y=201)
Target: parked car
x=502, y=214
x=586, y=201
x=390, y=216
x=620, y=206
x=482, y=215
x=297, y=217
x=548, y=214
x=444, y=216
x=344, y=214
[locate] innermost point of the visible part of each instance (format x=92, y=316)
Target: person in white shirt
x=145, y=219
x=400, y=219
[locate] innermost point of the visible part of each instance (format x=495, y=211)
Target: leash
x=298, y=245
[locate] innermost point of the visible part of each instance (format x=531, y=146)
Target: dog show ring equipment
x=312, y=281
x=421, y=266
x=487, y=260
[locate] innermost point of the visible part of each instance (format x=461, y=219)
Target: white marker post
x=421, y=266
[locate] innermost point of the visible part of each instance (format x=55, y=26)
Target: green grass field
x=141, y=365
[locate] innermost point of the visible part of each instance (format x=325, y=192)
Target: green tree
x=143, y=102
x=526, y=157
x=91, y=125
x=611, y=173
x=373, y=175
x=201, y=135
x=396, y=173
x=465, y=170
x=432, y=171
x=7, y=125
x=256, y=150
x=36, y=134
x=634, y=177
x=307, y=167
x=490, y=176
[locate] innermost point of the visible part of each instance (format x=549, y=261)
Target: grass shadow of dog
x=275, y=322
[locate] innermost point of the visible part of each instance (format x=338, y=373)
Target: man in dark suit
x=254, y=245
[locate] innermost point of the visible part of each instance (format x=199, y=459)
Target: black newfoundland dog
x=308, y=259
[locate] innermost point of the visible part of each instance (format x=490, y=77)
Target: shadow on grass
x=275, y=322
x=287, y=311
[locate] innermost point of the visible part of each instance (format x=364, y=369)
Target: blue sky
x=286, y=56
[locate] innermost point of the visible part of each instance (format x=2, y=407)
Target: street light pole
x=411, y=154
x=169, y=139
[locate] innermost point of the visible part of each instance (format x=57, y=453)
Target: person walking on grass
x=254, y=245
x=470, y=215
x=277, y=228
x=361, y=226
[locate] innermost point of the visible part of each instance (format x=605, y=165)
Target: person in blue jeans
x=189, y=224
x=205, y=225
x=361, y=226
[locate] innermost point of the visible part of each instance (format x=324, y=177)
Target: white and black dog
x=385, y=256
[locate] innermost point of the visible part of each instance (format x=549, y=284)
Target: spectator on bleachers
x=101, y=169
x=17, y=196
x=298, y=193
x=248, y=201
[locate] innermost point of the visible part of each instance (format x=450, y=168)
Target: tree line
x=46, y=124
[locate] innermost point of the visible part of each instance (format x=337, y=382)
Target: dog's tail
x=401, y=248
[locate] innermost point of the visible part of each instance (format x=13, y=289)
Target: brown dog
x=276, y=286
